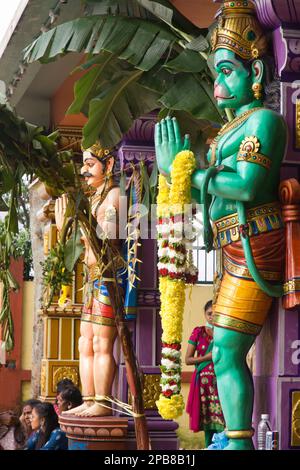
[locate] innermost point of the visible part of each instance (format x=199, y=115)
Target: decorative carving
x=55, y=311
x=65, y=372
x=70, y=138
x=151, y=391
x=142, y=130
x=131, y=155
x=48, y=209
x=273, y=13
x=295, y=437
x=43, y=379
x=148, y=298
x=297, y=131
x=94, y=429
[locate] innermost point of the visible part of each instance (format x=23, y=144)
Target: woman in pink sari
x=203, y=404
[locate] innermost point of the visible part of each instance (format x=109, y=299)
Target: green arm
x=247, y=181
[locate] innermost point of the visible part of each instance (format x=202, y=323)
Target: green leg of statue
x=235, y=384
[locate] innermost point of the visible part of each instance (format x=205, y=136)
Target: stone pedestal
x=107, y=433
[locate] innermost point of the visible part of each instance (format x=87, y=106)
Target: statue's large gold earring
x=257, y=90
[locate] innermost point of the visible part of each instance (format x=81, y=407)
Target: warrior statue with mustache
x=242, y=193
x=98, y=330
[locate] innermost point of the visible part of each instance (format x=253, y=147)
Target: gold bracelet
x=240, y=434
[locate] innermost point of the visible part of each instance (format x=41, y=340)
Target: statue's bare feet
x=97, y=410
x=79, y=409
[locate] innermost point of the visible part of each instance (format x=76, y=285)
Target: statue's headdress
x=239, y=30
x=98, y=151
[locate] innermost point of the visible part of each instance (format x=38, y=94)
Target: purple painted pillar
x=277, y=375
x=146, y=330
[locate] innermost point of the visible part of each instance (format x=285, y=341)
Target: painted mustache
x=86, y=174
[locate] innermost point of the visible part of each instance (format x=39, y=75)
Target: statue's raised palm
x=168, y=142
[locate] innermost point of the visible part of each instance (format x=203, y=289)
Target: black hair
x=62, y=384
x=207, y=305
x=72, y=394
x=47, y=411
x=32, y=402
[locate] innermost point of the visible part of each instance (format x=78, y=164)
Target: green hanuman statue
x=240, y=191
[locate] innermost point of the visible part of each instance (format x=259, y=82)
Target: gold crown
x=97, y=150
x=239, y=30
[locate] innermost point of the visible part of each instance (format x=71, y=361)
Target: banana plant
x=141, y=56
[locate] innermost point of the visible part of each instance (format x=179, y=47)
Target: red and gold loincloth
x=241, y=304
x=97, y=308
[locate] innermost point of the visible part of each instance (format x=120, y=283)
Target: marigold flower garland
x=175, y=270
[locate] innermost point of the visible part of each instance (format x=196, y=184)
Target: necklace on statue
x=229, y=126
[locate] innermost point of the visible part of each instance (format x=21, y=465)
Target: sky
x=8, y=9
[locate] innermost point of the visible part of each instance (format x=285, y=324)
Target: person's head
x=45, y=419
x=208, y=311
x=98, y=163
x=235, y=80
x=9, y=418
x=240, y=45
x=69, y=398
x=62, y=384
x=27, y=410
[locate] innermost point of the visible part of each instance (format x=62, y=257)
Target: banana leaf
x=85, y=87
x=141, y=42
x=112, y=112
x=189, y=94
x=73, y=250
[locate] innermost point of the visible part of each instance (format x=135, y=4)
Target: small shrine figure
x=98, y=331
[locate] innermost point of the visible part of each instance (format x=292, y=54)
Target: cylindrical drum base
x=97, y=433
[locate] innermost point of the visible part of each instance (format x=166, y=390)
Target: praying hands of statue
x=168, y=143
x=60, y=211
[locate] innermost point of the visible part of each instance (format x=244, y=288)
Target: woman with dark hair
x=68, y=399
x=203, y=404
x=61, y=385
x=48, y=435
x=25, y=417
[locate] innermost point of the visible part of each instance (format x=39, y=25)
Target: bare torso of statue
x=97, y=330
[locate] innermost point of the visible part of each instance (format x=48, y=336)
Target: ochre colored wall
x=60, y=102
x=27, y=327
x=200, y=12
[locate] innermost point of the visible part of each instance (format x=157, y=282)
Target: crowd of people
x=36, y=426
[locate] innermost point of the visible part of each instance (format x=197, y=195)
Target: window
x=205, y=262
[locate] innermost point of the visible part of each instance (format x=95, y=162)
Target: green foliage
x=25, y=150
x=55, y=273
x=142, y=56
x=73, y=250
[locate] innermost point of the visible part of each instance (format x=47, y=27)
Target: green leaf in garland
x=146, y=186
x=153, y=181
x=73, y=250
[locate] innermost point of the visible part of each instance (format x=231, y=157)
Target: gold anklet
x=101, y=398
x=88, y=398
x=247, y=434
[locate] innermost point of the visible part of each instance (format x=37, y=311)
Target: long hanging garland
x=175, y=271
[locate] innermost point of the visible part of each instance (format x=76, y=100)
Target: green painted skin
x=238, y=181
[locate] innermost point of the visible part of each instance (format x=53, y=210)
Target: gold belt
x=261, y=219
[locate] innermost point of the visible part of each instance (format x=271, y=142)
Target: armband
x=249, y=152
